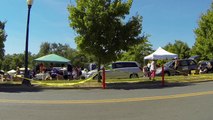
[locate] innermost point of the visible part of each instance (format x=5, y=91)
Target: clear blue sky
x=165, y=20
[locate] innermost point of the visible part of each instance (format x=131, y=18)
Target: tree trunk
x=99, y=68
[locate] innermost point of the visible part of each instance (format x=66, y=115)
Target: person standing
x=69, y=69
x=152, y=70
x=176, y=63
x=146, y=70
x=41, y=68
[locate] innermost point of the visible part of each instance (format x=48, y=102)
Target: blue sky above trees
x=165, y=20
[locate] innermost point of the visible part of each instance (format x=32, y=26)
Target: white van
x=122, y=69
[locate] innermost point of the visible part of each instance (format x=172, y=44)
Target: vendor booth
x=161, y=54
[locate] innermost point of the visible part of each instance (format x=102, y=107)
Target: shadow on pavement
x=18, y=88
x=145, y=85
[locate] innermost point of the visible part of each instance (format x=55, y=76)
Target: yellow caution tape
x=18, y=76
x=59, y=84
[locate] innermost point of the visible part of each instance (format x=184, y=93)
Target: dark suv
x=185, y=66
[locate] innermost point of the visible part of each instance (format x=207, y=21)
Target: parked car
x=205, y=66
x=185, y=66
x=124, y=69
x=196, y=57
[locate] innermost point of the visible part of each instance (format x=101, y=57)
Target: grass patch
x=94, y=83
x=180, y=78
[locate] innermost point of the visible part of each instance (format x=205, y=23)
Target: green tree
x=80, y=60
x=6, y=63
x=56, y=48
x=101, y=28
x=45, y=48
x=60, y=49
x=204, y=36
x=77, y=58
x=16, y=60
x=179, y=47
x=3, y=37
x=138, y=52
x=31, y=58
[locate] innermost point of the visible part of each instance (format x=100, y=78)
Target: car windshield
x=168, y=63
x=203, y=63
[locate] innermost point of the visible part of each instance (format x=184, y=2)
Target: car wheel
x=166, y=74
x=134, y=75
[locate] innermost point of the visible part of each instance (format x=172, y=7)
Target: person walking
x=146, y=70
x=152, y=70
x=176, y=63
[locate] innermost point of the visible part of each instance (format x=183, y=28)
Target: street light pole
x=26, y=72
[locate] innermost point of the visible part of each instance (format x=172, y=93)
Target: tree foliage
x=16, y=60
x=204, y=36
x=77, y=58
x=3, y=37
x=102, y=31
x=45, y=48
x=138, y=52
x=56, y=48
x=180, y=48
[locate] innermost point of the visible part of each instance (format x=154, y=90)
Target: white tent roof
x=160, y=54
x=11, y=72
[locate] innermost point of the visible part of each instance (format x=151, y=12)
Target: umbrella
x=11, y=72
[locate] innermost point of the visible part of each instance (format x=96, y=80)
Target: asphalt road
x=176, y=102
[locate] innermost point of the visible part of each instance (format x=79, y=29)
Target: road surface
x=181, y=102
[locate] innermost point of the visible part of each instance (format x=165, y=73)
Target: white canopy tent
x=160, y=54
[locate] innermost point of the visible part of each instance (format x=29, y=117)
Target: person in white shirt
x=152, y=70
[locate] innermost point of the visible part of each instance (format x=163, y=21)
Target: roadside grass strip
x=89, y=82
x=169, y=79
x=191, y=78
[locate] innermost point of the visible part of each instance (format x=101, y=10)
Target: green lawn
x=94, y=83
x=181, y=78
